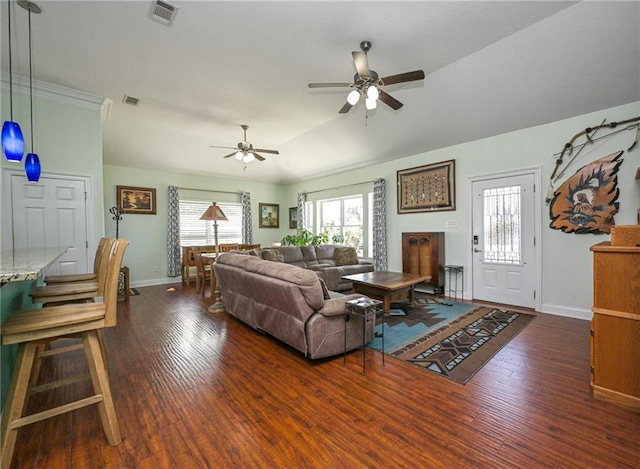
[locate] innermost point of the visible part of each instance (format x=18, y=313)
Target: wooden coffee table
x=386, y=286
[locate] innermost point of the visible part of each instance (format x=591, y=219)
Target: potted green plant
x=305, y=237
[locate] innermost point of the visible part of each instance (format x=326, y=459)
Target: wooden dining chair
x=203, y=271
x=80, y=290
x=228, y=247
x=33, y=328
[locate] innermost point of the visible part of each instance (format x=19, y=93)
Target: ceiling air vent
x=163, y=12
x=130, y=100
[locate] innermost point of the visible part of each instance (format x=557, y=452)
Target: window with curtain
x=348, y=216
x=196, y=232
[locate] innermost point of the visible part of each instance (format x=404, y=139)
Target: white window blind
x=196, y=232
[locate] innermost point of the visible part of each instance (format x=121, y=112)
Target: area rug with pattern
x=456, y=347
x=407, y=323
x=462, y=347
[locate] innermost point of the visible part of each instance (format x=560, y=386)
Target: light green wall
x=566, y=260
x=146, y=256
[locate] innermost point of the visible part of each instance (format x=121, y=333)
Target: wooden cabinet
x=423, y=254
x=615, y=328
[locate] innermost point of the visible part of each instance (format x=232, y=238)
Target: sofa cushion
x=272, y=255
x=346, y=256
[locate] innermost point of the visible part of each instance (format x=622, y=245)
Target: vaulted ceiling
x=491, y=67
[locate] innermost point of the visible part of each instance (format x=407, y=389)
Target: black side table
x=367, y=309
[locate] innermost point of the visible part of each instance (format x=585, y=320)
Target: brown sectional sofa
x=322, y=260
x=287, y=302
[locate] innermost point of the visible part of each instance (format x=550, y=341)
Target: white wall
x=146, y=256
x=566, y=287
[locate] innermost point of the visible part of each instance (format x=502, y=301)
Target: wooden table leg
x=411, y=295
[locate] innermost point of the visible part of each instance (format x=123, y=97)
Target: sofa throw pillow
x=325, y=290
x=272, y=255
x=346, y=256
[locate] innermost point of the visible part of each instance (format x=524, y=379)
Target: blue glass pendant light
x=32, y=167
x=32, y=164
x=12, y=138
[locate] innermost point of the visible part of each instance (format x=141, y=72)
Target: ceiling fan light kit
x=367, y=83
x=244, y=151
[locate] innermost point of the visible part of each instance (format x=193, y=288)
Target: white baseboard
x=567, y=312
x=155, y=281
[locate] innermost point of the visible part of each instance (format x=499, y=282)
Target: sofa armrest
x=335, y=306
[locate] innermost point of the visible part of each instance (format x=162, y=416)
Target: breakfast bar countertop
x=26, y=264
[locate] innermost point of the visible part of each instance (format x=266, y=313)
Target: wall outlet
x=451, y=224
x=155, y=268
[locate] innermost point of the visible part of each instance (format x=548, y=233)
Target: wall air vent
x=163, y=12
x=130, y=100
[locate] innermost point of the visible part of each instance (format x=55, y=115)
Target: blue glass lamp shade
x=12, y=141
x=32, y=167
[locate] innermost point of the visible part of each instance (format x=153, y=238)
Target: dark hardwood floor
x=193, y=389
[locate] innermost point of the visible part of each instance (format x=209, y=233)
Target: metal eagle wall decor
x=588, y=200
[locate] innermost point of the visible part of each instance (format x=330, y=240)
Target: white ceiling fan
x=244, y=151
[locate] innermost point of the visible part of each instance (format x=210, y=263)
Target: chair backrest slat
x=101, y=271
x=111, y=284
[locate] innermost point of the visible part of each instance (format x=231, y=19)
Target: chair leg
x=100, y=381
x=16, y=399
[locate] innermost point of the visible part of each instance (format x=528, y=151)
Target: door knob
x=476, y=250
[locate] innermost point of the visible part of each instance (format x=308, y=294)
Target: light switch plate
x=451, y=224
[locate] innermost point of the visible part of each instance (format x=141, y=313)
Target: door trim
x=7, y=208
x=536, y=171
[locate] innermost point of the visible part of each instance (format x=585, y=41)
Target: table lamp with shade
x=214, y=213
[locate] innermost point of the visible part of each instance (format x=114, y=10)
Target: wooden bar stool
x=103, y=247
x=76, y=290
x=33, y=329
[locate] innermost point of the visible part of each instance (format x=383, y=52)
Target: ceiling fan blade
x=389, y=100
x=403, y=77
x=228, y=148
x=361, y=63
x=346, y=108
x=258, y=157
x=329, y=85
x=262, y=150
x=230, y=154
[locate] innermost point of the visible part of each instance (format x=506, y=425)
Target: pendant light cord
x=30, y=80
x=10, y=68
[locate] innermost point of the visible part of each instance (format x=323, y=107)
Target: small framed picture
x=269, y=216
x=293, y=218
x=136, y=200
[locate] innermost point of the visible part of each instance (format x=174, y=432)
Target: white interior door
x=51, y=213
x=503, y=243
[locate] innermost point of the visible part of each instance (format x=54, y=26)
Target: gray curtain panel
x=247, y=225
x=301, y=219
x=379, y=225
x=174, y=265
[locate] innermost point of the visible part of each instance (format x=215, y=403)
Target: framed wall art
x=428, y=188
x=140, y=200
x=269, y=216
x=293, y=218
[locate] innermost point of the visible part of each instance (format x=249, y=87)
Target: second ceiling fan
x=244, y=151
x=367, y=84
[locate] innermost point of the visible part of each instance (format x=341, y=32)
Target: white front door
x=51, y=213
x=503, y=240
